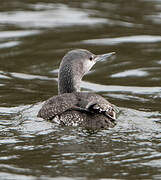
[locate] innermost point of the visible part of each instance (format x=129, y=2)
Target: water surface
x=34, y=36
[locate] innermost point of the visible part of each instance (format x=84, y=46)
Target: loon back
x=85, y=109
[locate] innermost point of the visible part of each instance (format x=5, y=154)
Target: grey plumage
x=74, y=108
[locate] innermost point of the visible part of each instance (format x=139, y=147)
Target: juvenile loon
x=72, y=107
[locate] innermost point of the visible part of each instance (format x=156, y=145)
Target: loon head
x=74, y=65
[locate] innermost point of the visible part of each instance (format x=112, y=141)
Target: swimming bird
x=72, y=107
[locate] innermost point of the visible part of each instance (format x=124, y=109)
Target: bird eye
x=91, y=58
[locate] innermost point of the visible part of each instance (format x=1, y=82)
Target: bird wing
x=57, y=105
x=97, y=104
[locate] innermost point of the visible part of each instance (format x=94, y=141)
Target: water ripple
x=56, y=17
x=125, y=39
x=17, y=34
x=9, y=44
x=108, y=88
x=132, y=72
x=29, y=76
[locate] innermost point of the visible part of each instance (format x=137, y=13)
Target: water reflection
x=17, y=34
x=133, y=72
x=49, y=15
x=133, y=89
x=130, y=39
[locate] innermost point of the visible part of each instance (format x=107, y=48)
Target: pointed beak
x=103, y=57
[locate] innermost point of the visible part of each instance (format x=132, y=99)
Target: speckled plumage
x=73, y=108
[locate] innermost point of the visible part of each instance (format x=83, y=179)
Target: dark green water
x=34, y=36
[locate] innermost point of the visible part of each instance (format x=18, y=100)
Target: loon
x=72, y=107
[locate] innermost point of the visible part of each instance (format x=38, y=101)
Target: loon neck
x=69, y=79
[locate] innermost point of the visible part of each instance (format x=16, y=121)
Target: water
x=34, y=36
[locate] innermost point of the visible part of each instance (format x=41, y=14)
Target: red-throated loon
x=72, y=107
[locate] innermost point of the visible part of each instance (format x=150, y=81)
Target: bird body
x=73, y=108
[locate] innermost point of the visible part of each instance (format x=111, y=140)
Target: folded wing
x=57, y=105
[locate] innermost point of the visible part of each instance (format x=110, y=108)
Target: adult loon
x=72, y=107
